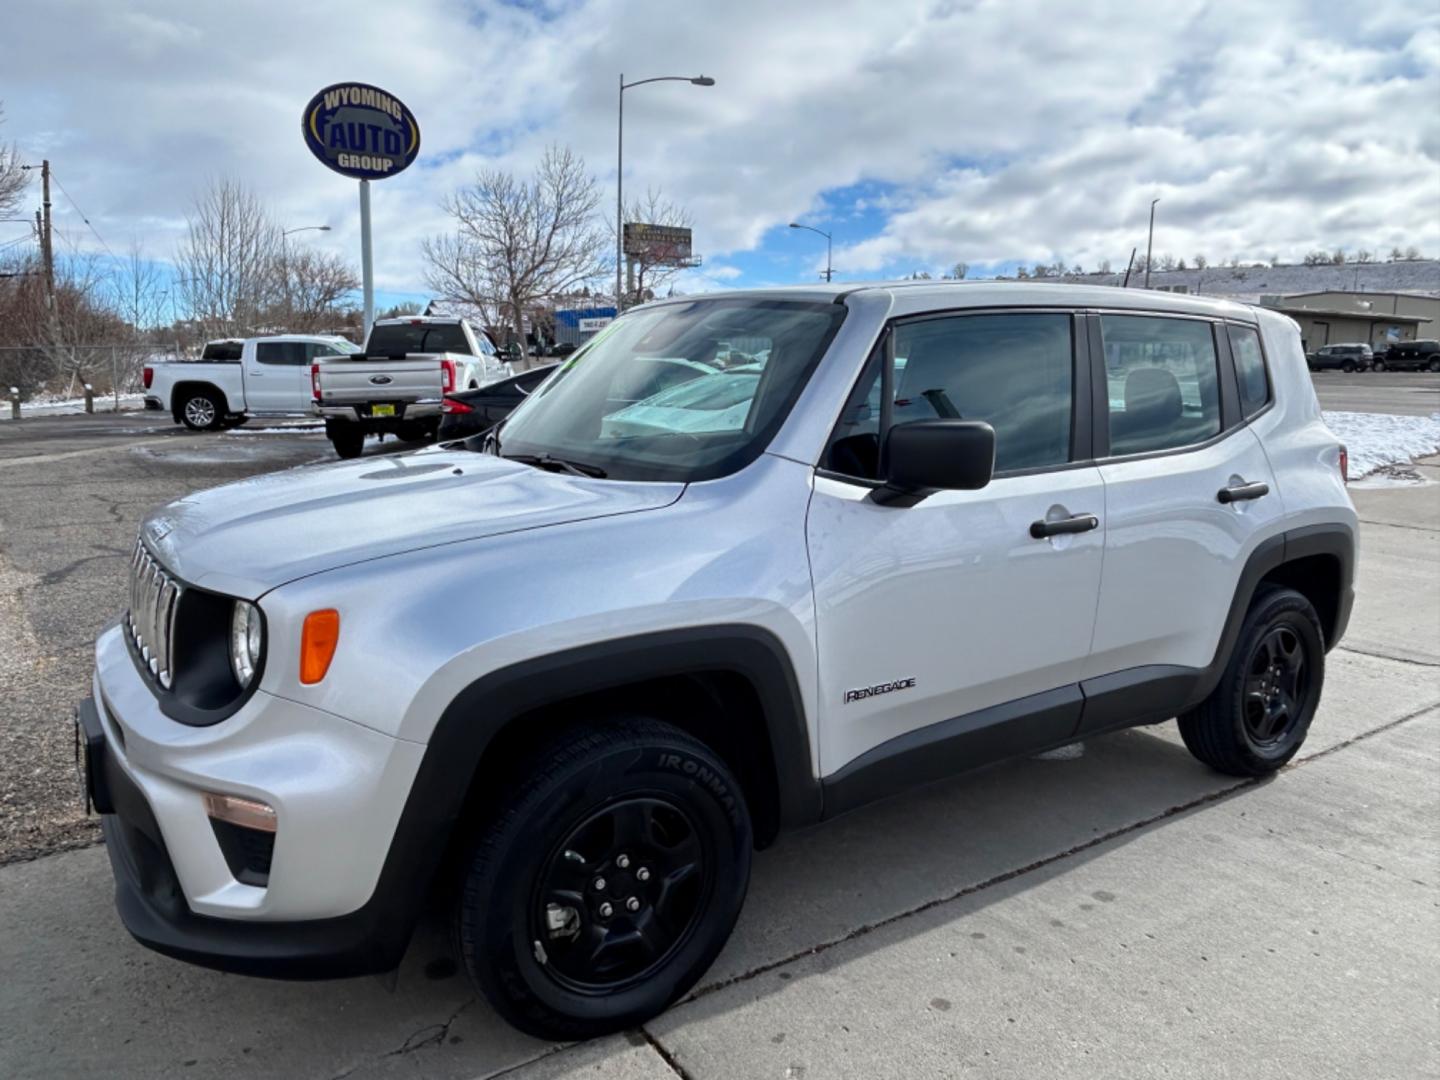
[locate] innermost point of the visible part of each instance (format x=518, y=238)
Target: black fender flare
x=479, y=712
x=1337, y=540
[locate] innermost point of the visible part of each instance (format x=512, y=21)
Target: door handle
x=1078, y=523
x=1241, y=492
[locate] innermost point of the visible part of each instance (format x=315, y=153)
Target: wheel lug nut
x=633, y=904
x=606, y=910
x=599, y=884
x=643, y=874
x=623, y=861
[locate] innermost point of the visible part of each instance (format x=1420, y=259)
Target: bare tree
x=1104, y=266
x=959, y=270
x=1412, y=253
x=12, y=177
x=518, y=242
x=1317, y=258
x=1201, y=262
x=314, y=284
x=1364, y=255
x=226, y=264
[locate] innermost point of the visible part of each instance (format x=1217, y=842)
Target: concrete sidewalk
x=1123, y=912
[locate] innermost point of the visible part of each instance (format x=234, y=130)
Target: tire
x=556, y=834
x=348, y=440
x=202, y=410
x=1434, y=365
x=1237, y=729
x=1347, y=367
x=1377, y=365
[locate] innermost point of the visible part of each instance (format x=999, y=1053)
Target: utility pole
x=47, y=244
x=1150, y=244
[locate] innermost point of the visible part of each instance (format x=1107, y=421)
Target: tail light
x=147, y=376
x=453, y=406
x=1344, y=465
x=315, y=381
x=447, y=376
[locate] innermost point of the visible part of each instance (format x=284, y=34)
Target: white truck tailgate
x=355, y=382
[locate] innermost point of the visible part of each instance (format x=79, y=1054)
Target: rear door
x=277, y=377
x=1189, y=494
x=932, y=615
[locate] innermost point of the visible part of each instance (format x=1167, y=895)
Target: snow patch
x=1375, y=440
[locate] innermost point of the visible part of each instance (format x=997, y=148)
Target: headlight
x=247, y=641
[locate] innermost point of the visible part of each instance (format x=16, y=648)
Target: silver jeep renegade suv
x=742, y=563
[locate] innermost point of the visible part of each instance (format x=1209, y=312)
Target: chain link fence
x=47, y=375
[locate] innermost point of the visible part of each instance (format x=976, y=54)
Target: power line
x=82, y=216
x=20, y=240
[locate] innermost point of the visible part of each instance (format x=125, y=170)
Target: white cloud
x=990, y=130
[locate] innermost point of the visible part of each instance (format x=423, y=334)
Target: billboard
x=360, y=131
x=658, y=245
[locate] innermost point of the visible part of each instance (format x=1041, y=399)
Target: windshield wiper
x=554, y=464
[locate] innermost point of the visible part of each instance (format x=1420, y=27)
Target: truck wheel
x=1258, y=716
x=348, y=440
x=1435, y=365
x=202, y=410
x=608, y=881
x=1377, y=365
x=1347, y=367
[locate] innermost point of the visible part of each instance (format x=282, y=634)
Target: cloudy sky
x=921, y=132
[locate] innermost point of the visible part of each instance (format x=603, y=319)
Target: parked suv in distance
x=1341, y=357
x=919, y=529
x=1421, y=355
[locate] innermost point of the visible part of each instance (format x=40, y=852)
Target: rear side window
x=1015, y=372
x=395, y=339
x=222, y=350
x=1162, y=377
x=1249, y=369
x=281, y=352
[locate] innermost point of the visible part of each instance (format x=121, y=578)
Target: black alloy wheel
x=620, y=894
x=1257, y=716
x=604, y=877
x=1277, y=687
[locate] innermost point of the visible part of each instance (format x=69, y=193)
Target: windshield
x=664, y=393
x=393, y=339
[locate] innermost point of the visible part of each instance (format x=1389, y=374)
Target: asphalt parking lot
x=1114, y=911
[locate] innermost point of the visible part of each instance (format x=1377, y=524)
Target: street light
x=1150, y=244
x=697, y=80
x=826, y=235
x=285, y=265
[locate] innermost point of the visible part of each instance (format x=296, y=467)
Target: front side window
x=1249, y=369
x=1162, y=379
x=1015, y=372
x=652, y=396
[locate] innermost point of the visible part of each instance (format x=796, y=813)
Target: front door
x=933, y=614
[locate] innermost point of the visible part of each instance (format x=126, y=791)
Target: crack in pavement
x=430, y=1035
x=1375, y=654
x=665, y=1054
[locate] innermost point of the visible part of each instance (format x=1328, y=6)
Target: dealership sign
x=361, y=131
x=658, y=245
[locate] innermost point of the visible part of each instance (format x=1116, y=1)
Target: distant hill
x=1250, y=283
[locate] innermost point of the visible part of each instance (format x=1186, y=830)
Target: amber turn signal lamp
x=318, y=639
x=246, y=813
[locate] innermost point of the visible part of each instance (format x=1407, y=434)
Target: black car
x=469, y=412
x=1422, y=355
x=1353, y=357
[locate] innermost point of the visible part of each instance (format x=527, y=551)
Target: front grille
x=154, y=597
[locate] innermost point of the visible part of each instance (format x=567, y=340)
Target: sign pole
x=367, y=266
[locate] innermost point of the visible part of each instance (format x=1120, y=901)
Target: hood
x=246, y=538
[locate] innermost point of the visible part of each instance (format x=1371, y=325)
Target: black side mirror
x=925, y=456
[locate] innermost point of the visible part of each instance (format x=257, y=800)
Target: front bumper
x=334, y=904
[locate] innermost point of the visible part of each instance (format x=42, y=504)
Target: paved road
x=1123, y=912
x=1409, y=393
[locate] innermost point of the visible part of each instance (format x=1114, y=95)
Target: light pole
x=826, y=235
x=285, y=264
x=697, y=80
x=1150, y=244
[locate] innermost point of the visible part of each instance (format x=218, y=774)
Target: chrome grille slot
x=154, y=598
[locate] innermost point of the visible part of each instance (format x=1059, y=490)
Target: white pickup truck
x=396, y=385
x=234, y=380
